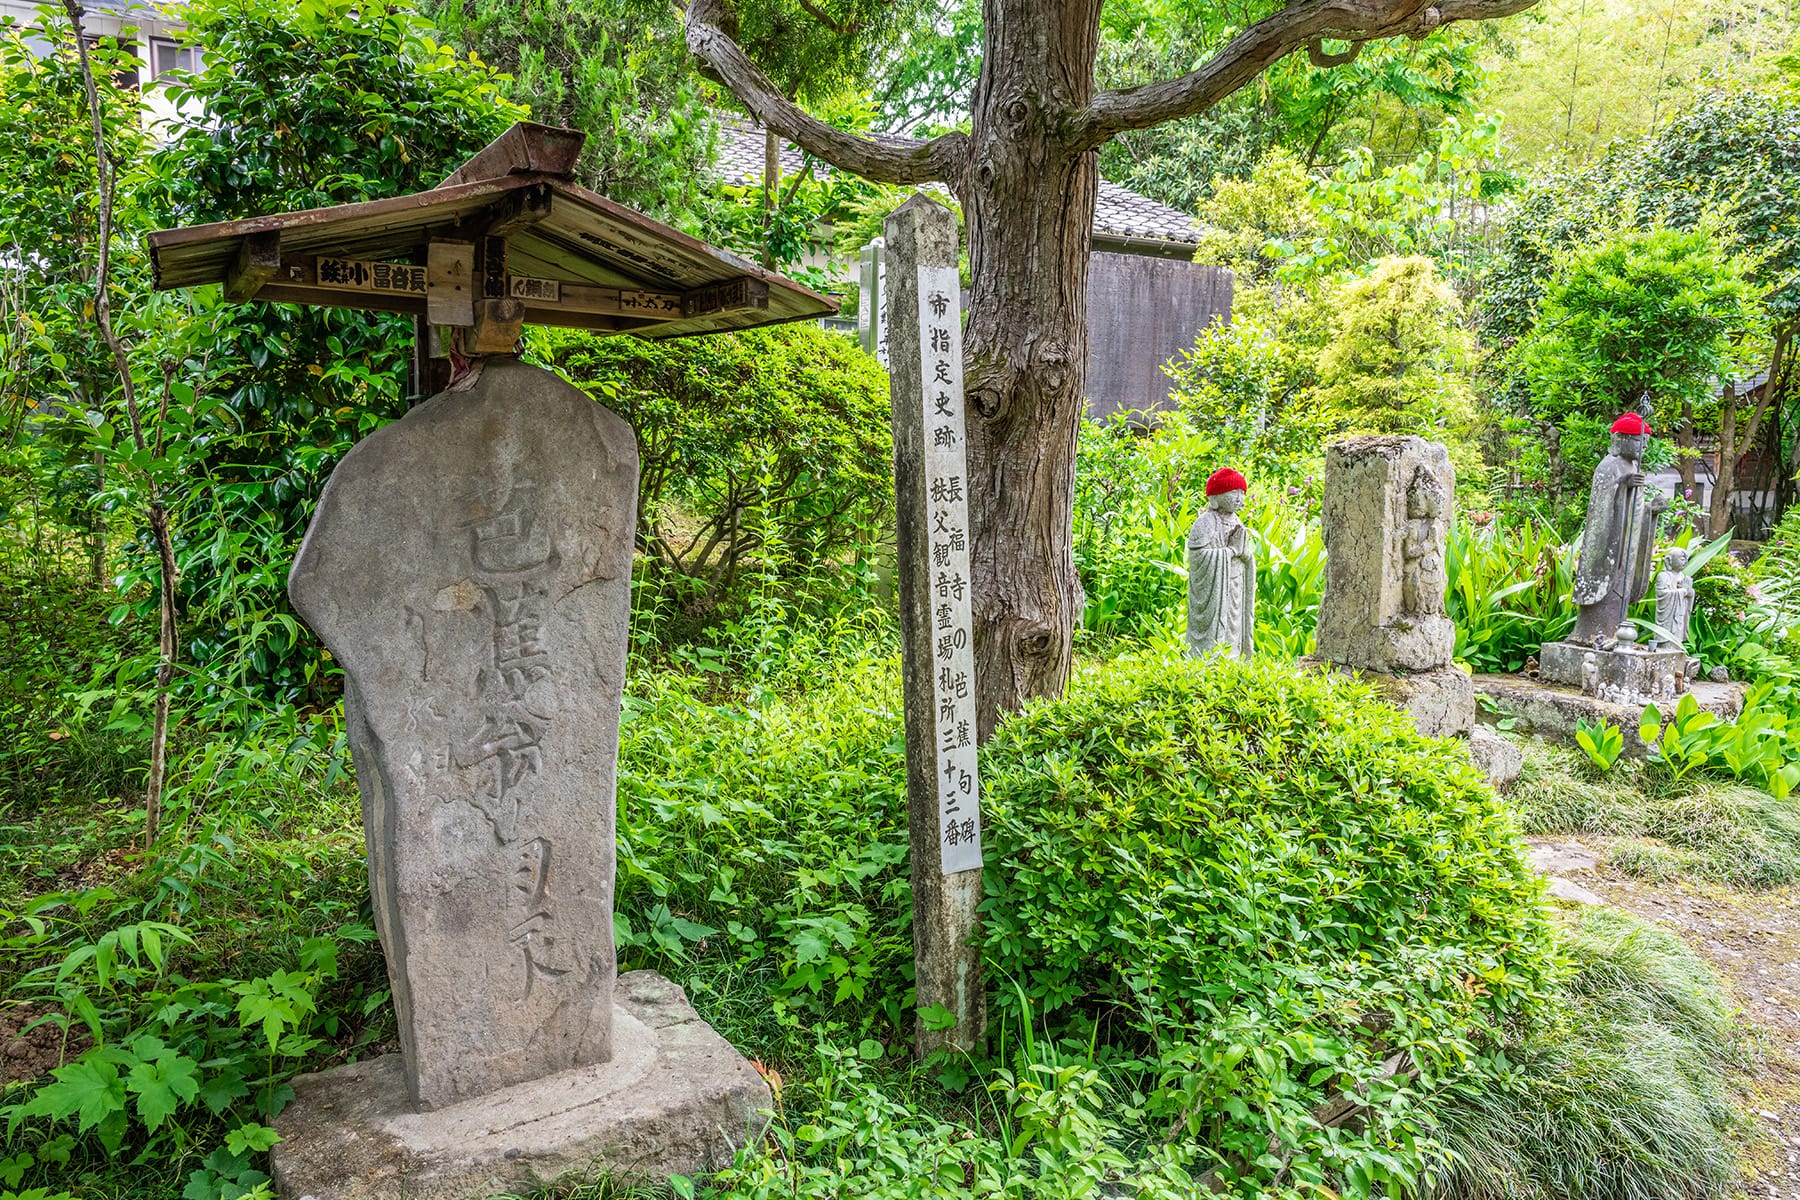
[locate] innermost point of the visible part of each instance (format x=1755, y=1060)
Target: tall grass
x=1661, y=829
x=1622, y=1096
x=1509, y=592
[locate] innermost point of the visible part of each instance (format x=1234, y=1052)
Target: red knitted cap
x=1631, y=423
x=1225, y=480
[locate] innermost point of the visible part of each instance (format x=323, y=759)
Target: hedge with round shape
x=1265, y=883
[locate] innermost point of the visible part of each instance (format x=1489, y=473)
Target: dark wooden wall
x=1141, y=313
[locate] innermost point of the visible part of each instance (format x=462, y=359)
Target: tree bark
x=1684, y=441
x=1731, y=447
x=771, y=192
x=156, y=512
x=1028, y=204
x=1718, y=512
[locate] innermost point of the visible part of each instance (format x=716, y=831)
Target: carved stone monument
x=1387, y=513
x=470, y=568
x=1221, y=572
x=1602, y=657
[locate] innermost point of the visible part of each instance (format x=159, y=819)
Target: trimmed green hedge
x=1264, y=882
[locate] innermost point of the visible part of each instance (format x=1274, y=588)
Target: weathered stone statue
x=1617, y=540
x=1387, y=510
x=1424, y=581
x=1387, y=514
x=1674, y=601
x=1221, y=572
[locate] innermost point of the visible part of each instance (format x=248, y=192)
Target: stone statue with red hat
x=1618, y=540
x=1221, y=572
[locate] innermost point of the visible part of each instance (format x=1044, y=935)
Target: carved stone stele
x=1387, y=514
x=469, y=566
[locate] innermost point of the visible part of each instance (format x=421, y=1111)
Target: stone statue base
x=1549, y=711
x=1627, y=674
x=1441, y=702
x=1421, y=643
x=675, y=1099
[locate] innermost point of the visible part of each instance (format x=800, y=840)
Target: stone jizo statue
x=1674, y=601
x=1617, y=540
x=1423, y=580
x=1221, y=572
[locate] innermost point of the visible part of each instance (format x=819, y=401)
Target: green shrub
x=1622, y=1097
x=777, y=433
x=1242, y=872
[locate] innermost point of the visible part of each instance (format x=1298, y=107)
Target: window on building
x=167, y=55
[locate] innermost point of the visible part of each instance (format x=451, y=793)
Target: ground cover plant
x=762, y=865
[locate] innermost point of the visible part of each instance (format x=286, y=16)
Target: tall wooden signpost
x=931, y=488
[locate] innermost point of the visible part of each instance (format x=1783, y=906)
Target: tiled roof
x=1118, y=213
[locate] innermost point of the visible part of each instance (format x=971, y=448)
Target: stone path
x=1753, y=940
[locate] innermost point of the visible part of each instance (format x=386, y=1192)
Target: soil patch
x=29, y=1054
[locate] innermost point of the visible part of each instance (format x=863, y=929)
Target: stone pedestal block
x=1625, y=675
x=1388, y=504
x=1441, y=702
x=675, y=1099
x=1551, y=711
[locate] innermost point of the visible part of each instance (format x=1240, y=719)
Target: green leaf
x=218, y=1092
x=1649, y=724
x=870, y=1049
x=163, y=1083
x=87, y=1089
x=937, y=1018
x=251, y=1138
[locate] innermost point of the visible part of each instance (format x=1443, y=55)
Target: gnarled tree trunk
x=1028, y=205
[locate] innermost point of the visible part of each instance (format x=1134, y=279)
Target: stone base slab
x=1441, y=701
x=1625, y=675
x=1499, y=759
x=1552, y=711
x=675, y=1099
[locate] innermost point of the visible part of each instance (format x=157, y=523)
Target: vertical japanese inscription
x=947, y=538
x=469, y=566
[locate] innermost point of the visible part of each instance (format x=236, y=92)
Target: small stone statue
x=1221, y=572
x=1674, y=601
x=1423, y=581
x=1590, y=675
x=1617, y=540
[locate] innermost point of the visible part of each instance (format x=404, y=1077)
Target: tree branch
x=1302, y=24
x=879, y=157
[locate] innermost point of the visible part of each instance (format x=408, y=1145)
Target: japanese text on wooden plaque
x=947, y=542
x=357, y=275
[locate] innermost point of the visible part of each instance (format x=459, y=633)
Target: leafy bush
x=1621, y=1097
x=770, y=433
x=1164, y=827
x=772, y=841
x=1661, y=311
x=1400, y=361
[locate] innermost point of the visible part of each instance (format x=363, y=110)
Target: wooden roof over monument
x=510, y=225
